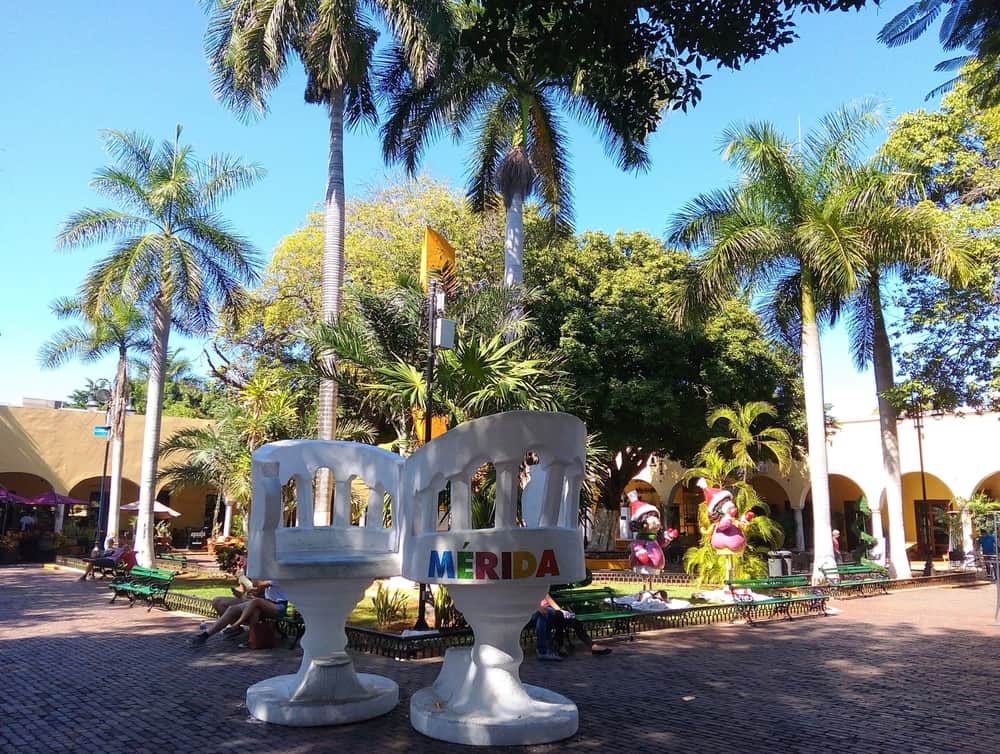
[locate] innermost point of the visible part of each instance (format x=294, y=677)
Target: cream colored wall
x=959, y=458
x=59, y=447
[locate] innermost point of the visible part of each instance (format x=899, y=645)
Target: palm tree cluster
x=173, y=254
x=219, y=455
x=381, y=353
x=812, y=231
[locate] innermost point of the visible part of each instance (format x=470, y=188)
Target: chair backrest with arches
x=544, y=543
x=339, y=548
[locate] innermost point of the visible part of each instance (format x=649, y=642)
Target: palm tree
x=898, y=237
x=519, y=147
x=729, y=461
x=121, y=328
x=262, y=411
x=249, y=44
x=173, y=253
x=745, y=445
x=783, y=233
x=381, y=357
x=970, y=24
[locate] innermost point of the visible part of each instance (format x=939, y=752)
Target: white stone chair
x=324, y=570
x=497, y=576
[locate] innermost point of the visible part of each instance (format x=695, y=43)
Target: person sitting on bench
x=108, y=559
x=552, y=617
x=273, y=604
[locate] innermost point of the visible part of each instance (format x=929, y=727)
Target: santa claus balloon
x=648, y=537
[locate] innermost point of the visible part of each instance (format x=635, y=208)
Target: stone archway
x=26, y=485
x=779, y=508
x=926, y=499
x=845, y=515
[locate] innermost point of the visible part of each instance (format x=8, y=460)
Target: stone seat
x=324, y=568
x=497, y=575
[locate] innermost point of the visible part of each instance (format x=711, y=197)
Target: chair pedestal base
x=478, y=697
x=280, y=700
x=326, y=690
x=534, y=716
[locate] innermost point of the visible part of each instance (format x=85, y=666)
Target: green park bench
x=290, y=626
x=170, y=557
x=860, y=579
x=589, y=606
x=782, y=592
x=148, y=584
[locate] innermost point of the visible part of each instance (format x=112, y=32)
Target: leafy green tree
x=785, y=234
x=249, y=44
x=385, y=229
x=946, y=337
x=120, y=328
x=638, y=55
x=634, y=376
x=173, y=253
x=730, y=461
x=972, y=25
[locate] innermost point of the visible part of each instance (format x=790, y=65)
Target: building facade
x=45, y=448
x=959, y=460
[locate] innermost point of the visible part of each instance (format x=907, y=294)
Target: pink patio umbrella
x=52, y=498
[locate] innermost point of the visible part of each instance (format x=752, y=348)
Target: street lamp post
x=440, y=334
x=918, y=423
x=101, y=504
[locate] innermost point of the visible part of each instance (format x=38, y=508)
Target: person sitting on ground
x=552, y=617
x=108, y=559
x=273, y=604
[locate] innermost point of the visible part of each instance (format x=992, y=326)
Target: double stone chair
x=496, y=575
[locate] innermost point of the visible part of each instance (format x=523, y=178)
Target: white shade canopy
x=159, y=509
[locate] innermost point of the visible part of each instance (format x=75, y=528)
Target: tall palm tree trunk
x=513, y=242
x=819, y=478
x=887, y=417
x=144, y=535
x=117, y=421
x=333, y=281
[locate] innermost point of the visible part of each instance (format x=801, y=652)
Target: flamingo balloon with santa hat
x=649, y=538
x=727, y=528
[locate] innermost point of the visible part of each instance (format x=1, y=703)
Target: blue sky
x=74, y=68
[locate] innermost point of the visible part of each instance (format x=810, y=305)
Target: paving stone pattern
x=914, y=671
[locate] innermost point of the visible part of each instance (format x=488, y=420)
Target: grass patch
x=206, y=588
x=680, y=591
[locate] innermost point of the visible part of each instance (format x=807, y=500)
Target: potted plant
x=951, y=521
x=10, y=547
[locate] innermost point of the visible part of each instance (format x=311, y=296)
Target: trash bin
x=779, y=563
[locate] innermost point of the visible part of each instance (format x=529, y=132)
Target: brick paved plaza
x=914, y=671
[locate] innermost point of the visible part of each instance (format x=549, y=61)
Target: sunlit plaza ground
x=913, y=671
